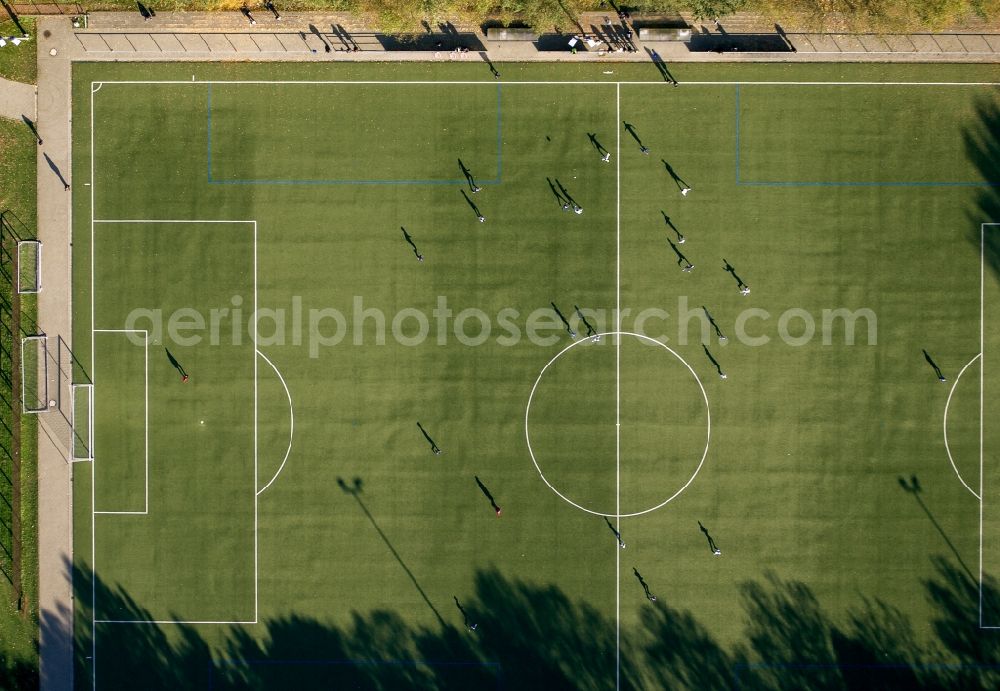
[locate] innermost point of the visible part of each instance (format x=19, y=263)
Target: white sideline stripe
x=618, y=382
x=540, y=83
x=93, y=474
x=145, y=422
x=166, y=621
x=291, y=429
x=164, y=220
x=982, y=370
x=947, y=448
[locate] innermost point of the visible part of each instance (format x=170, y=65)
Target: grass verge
x=19, y=63
x=19, y=593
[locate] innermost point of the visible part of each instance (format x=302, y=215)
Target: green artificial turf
x=346, y=549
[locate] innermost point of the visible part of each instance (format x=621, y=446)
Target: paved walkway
x=115, y=36
x=307, y=36
x=55, y=495
x=16, y=99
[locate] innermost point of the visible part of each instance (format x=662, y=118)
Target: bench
x=664, y=34
x=502, y=33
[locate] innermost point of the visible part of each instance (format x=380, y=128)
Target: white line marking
x=947, y=448
x=165, y=220
x=167, y=621
x=708, y=423
x=544, y=83
x=618, y=382
x=291, y=427
x=982, y=370
x=93, y=470
x=256, y=480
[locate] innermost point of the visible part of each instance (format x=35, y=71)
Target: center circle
x=616, y=429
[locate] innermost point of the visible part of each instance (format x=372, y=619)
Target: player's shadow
x=661, y=66
x=678, y=180
x=472, y=205
x=982, y=148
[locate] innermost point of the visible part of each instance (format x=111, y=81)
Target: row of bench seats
x=502, y=33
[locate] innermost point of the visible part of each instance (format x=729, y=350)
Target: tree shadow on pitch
x=533, y=636
x=982, y=147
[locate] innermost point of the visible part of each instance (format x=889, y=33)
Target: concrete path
x=16, y=99
x=55, y=495
x=299, y=36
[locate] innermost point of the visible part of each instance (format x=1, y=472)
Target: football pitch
x=400, y=376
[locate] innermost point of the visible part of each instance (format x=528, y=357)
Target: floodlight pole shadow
x=914, y=488
x=355, y=492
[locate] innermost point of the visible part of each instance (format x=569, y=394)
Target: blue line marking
x=737, y=134
x=281, y=181
x=499, y=140
x=820, y=183
x=867, y=184
x=373, y=662
x=348, y=182
x=737, y=669
x=339, y=662
x=209, y=134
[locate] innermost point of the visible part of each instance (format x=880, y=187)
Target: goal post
x=29, y=266
x=82, y=420
x=35, y=374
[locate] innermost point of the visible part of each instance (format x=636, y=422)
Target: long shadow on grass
x=982, y=146
x=536, y=637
